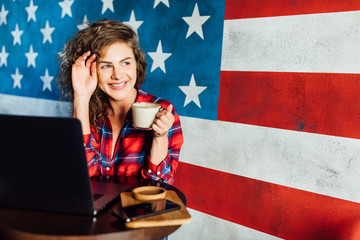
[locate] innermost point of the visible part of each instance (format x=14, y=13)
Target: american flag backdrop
x=267, y=93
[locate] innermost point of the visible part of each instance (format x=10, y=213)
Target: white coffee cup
x=143, y=114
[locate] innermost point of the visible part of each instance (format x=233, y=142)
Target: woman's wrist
x=81, y=98
x=81, y=112
x=159, y=149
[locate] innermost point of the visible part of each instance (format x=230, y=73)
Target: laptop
x=43, y=167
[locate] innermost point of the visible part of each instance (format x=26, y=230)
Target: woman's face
x=116, y=70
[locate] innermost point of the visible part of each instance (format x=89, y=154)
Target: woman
x=102, y=68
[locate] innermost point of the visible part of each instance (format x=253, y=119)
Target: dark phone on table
x=146, y=209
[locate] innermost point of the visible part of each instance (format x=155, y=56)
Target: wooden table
x=25, y=224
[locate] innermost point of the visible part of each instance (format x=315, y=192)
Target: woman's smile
x=118, y=86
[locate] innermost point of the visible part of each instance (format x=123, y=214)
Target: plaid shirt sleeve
x=166, y=170
x=92, y=149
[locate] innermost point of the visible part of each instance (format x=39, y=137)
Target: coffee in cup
x=143, y=114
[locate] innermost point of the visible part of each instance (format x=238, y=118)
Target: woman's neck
x=121, y=108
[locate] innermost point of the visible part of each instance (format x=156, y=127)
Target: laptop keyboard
x=97, y=196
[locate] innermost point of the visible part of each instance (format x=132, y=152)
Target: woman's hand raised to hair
x=83, y=75
x=84, y=82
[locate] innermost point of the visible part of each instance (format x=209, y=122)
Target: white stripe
x=16, y=105
x=207, y=227
x=318, y=163
x=327, y=42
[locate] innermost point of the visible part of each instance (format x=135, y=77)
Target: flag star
x=195, y=22
x=17, y=77
x=133, y=23
x=159, y=58
x=31, y=9
x=47, y=31
x=166, y=2
x=107, y=4
x=46, y=80
x=192, y=92
x=3, y=15
x=17, y=34
x=31, y=55
x=84, y=24
x=66, y=7
x=3, y=57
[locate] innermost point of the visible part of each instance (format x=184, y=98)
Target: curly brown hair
x=94, y=38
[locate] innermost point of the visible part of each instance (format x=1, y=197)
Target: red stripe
x=235, y=9
x=322, y=103
x=274, y=209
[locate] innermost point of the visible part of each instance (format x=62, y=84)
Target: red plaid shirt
x=131, y=155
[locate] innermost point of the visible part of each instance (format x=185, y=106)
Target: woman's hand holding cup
x=163, y=121
x=150, y=116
